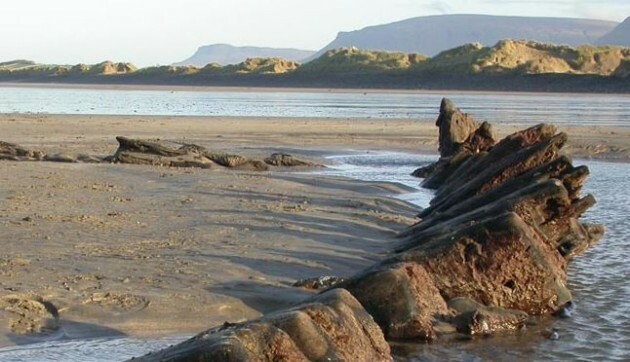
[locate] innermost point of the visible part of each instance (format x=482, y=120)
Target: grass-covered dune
x=525, y=65
x=524, y=57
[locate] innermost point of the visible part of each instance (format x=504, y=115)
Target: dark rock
x=61, y=157
x=476, y=319
x=226, y=160
x=425, y=171
x=482, y=139
x=13, y=152
x=566, y=310
x=332, y=326
x=499, y=232
x=436, y=175
x=499, y=262
x=496, y=168
x=142, y=152
x=318, y=282
x=147, y=147
x=89, y=158
x=286, y=160
x=552, y=334
x=402, y=298
x=460, y=137
x=237, y=162
x=455, y=128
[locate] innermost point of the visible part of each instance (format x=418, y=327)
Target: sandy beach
x=146, y=251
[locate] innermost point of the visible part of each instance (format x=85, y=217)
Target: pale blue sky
x=150, y=32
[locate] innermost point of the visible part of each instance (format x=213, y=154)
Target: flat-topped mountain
x=225, y=54
x=618, y=36
x=430, y=35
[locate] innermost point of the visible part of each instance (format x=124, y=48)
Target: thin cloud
x=440, y=7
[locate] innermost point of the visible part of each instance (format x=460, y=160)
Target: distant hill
x=17, y=64
x=430, y=35
x=225, y=54
x=105, y=68
x=618, y=36
x=30, y=67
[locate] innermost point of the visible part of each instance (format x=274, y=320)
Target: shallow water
x=86, y=350
x=525, y=108
x=600, y=327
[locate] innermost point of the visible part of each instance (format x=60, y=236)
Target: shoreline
x=275, y=89
x=95, y=134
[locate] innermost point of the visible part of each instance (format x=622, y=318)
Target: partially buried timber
x=490, y=251
x=156, y=153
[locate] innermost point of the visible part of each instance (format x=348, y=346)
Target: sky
x=146, y=32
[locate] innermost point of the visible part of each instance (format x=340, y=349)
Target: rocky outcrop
x=460, y=137
x=489, y=252
x=500, y=231
x=143, y=152
x=13, y=152
x=30, y=314
x=136, y=151
x=332, y=326
x=455, y=128
x=286, y=160
x=147, y=152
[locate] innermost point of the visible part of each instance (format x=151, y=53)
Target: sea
x=598, y=330
x=520, y=108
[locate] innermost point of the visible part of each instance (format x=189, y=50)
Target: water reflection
x=521, y=108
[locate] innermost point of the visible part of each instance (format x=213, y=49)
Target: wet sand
x=147, y=251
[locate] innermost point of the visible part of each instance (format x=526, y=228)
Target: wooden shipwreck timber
x=490, y=251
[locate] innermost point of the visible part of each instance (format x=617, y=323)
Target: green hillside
x=353, y=60
x=526, y=57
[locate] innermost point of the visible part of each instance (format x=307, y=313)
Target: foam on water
x=385, y=166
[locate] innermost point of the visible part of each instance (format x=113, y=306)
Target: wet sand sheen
x=95, y=133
